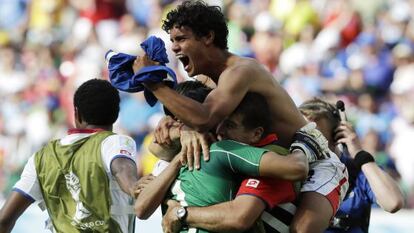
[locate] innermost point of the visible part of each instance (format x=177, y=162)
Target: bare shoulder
x=246, y=64
x=243, y=68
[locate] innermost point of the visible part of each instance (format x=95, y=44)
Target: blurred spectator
x=402, y=126
x=13, y=18
x=135, y=116
x=343, y=17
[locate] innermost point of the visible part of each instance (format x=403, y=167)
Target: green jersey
x=218, y=179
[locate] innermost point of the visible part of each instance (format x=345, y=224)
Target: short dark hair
x=255, y=112
x=317, y=108
x=195, y=90
x=97, y=102
x=201, y=19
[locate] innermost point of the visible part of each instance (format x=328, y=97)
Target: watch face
x=181, y=212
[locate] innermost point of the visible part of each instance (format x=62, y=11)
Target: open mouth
x=185, y=60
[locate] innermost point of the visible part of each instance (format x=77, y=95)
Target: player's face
x=233, y=129
x=187, y=48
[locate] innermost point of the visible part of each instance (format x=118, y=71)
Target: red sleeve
x=272, y=191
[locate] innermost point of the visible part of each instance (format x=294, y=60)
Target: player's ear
x=209, y=38
x=78, y=118
x=258, y=134
x=76, y=113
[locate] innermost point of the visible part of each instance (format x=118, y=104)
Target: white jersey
x=159, y=167
x=328, y=177
x=114, y=146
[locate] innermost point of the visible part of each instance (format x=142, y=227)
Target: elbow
x=141, y=212
x=394, y=210
x=396, y=205
x=141, y=215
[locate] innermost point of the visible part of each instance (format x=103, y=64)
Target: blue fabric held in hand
x=122, y=75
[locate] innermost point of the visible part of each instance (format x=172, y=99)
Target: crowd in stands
x=361, y=52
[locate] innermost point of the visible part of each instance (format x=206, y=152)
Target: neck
x=219, y=60
x=268, y=139
x=105, y=127
x=89, y=129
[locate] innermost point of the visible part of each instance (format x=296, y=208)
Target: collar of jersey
x=74, y=130
x=269, y=139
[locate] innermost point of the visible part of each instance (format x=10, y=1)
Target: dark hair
x=97, y=102
x=255, y=112
x=195, y=90
x=201, y=19
x=317, y=109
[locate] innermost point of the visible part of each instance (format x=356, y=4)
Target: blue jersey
x=357, y=201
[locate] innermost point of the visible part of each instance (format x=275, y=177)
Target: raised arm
x=154, y=193
x=233, y=85
x=385, y=189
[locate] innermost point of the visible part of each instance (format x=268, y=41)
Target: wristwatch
x=181, y=214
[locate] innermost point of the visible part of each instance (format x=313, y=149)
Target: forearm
x=6, y=227
x=292, y=167
x=189, y=111
x=385, y=189
x=234, y=216
x=215, y=218
x=153, y=195
x=12, y=209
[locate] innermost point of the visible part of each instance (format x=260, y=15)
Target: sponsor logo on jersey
x=126, y=143
x=124, y=152
x=252, y=183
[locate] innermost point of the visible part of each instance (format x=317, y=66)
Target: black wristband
x=362, y=158
x=182, y=215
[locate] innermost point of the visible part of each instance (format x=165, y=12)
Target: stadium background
x=359, y=51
